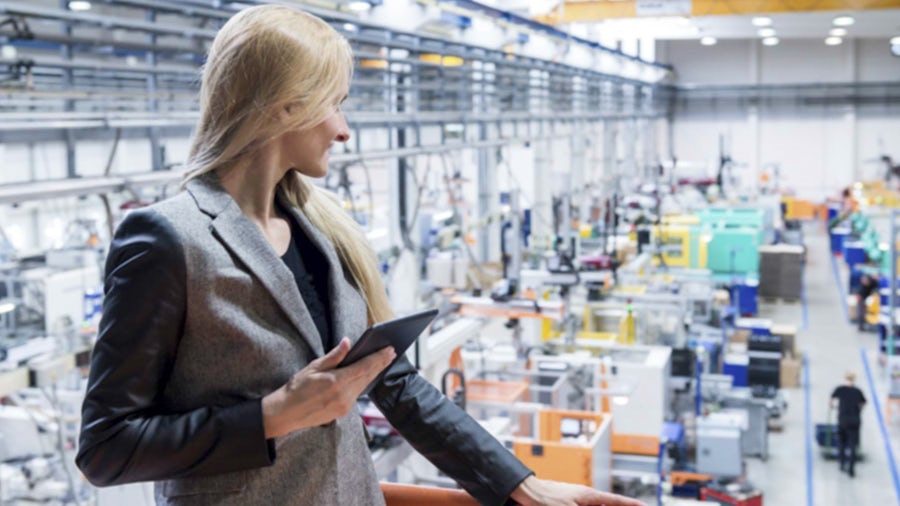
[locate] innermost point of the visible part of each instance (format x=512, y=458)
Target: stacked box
x=790, y=372
x=781, y=271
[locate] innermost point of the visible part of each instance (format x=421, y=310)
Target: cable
x=458, y=218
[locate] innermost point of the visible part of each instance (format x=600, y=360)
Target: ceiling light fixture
x=833, y=41
x=8, y=52
x=7, y=307
x=895, y=41
x=770, y=41
x=349, y=27
x=359, y=6
x=837, y=32
x=708, y=41
x=843, y=21
x=79, y=5
x=766, y=32
x=762, y=21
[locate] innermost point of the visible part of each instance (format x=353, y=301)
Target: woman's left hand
x=536, y=492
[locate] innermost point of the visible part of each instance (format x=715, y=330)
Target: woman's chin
x=313, y=172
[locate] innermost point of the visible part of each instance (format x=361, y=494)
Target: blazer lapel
x=243, y=238
x=341, y=293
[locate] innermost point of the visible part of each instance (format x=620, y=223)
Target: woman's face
x=306, y=151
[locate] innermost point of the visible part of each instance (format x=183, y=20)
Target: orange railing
x=396, y=494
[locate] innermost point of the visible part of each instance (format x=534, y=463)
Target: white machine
x=636, y=396
x=719, y=443
x=60, y=294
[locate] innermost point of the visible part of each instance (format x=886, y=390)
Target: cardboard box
x=788, y=335
x=740, y=336
x=790, y=372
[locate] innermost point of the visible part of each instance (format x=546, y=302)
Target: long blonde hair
x=263, y=59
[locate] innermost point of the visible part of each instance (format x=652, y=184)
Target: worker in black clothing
x=868, y=284
x=849, y=401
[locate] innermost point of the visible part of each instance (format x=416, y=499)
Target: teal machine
x=732, y=250
x=734, y=238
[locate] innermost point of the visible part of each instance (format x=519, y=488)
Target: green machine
x=734, y=251
x=734, y=237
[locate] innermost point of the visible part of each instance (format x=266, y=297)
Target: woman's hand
x=321, y=393
x=536, y=492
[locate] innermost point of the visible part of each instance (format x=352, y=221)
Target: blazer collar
x=247, y=242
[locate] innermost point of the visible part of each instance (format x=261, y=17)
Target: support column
x=541, y=212
x=578, y=195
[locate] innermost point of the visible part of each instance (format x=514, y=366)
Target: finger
x=333, y=357
x=366, y=369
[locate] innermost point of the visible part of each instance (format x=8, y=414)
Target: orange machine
x=584, y=459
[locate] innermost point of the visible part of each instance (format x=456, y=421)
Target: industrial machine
x=642, y=371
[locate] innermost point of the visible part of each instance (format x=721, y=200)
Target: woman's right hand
x=321, y=392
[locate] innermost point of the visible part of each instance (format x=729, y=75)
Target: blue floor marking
x=840, y=286
x=876, y=403
x=806, y=424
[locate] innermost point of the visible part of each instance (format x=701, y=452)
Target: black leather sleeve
x=447, y=436
x=126, y=436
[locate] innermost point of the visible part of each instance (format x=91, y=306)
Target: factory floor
x=831, y=345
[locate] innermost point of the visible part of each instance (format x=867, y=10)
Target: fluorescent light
x=843, y=21
x=762, y=21
x=79, y=5
x=708, y=41
x=620, y=400
x=837, y=32
x=8, y=52
x=895, y=41
x=766, y=32
x=7, y=307
x=359, y=6
x=349, y=27
x=834, y=41
x=770, y=41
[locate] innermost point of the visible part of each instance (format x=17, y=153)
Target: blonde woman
x=214, y=374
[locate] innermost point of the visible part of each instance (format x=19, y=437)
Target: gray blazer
x=201, y=320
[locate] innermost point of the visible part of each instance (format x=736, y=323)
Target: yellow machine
x=799, y=209
x=627, y=329
x=682, y=244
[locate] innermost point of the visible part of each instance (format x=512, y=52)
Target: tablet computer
x=400, y=333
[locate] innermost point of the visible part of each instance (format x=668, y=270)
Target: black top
x=310, y=269
x=865, y=291
x=850, y=403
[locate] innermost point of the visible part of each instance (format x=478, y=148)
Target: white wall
x=819, y=148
